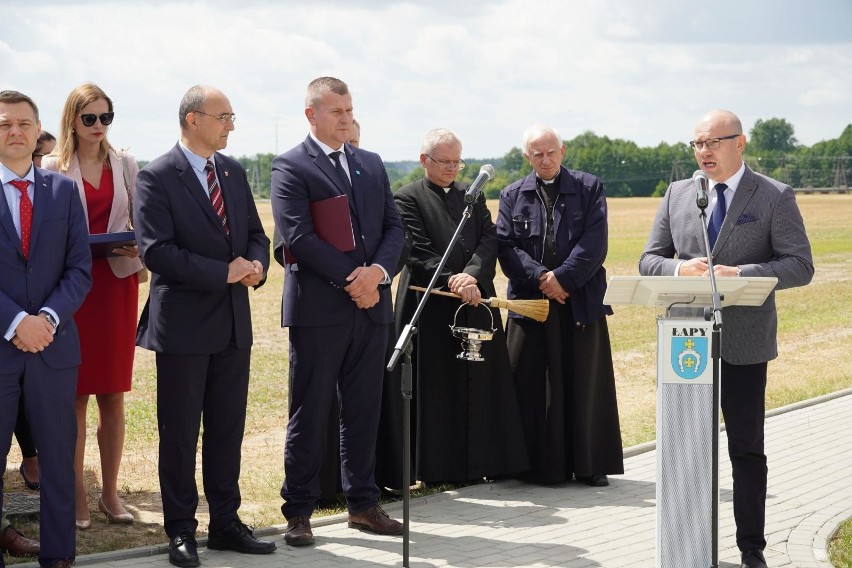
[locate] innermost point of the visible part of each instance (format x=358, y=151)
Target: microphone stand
x=714, y=313
x=403, y=345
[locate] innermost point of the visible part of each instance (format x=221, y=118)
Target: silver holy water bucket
x=471, y=338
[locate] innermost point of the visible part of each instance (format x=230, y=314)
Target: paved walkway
x=511, y=524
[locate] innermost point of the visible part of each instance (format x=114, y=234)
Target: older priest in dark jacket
x=468, y=424
x=552, y=227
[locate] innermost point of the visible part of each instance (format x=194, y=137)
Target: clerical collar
x=436, y=187
x=543, y=182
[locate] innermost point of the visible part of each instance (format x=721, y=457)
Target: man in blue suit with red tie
x=45, y=266
x=337, y=304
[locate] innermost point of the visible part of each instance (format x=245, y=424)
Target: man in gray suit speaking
x=755, y=229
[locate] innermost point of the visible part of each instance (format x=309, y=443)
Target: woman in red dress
x=107, y=320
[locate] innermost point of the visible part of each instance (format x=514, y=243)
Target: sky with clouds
x=644, y=71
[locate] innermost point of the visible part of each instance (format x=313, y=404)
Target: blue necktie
x=718, y=215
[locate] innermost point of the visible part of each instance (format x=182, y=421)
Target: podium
x=687, y=489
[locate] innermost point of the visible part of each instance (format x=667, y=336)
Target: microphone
x=486, y=172
x=699, y=179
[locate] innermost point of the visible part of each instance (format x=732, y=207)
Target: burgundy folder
x=331, y=223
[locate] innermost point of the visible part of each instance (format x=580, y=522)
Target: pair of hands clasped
x=33, y=334
x=246, y=272
x=363, y=285
x=699, y=267
x=551, y=288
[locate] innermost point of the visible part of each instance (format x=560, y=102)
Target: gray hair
x=537, y=131
x=320, y=86
x=191, y=102
x=437, y=136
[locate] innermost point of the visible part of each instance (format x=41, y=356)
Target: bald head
x=719, y=144
x=722, y=118
x=206, y=120
x=193, y=99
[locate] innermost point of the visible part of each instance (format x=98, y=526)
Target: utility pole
x=840, y=173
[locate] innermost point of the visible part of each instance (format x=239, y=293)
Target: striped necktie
x=216, y=196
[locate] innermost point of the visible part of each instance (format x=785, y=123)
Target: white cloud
x=643, y=71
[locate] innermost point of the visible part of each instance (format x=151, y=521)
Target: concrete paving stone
x=512, y=524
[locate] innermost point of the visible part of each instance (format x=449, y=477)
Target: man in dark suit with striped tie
x=200, y=236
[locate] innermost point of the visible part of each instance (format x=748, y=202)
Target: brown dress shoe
x=299, y=531
x=16, y=544
x=375, y=520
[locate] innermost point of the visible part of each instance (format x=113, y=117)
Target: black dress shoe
x=594, y=480
x=239, y=538
x=753, y=558
x=183, y=550
x=31, y=485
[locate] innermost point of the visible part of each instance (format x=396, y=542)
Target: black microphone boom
x=486, y=172
x=699, y=179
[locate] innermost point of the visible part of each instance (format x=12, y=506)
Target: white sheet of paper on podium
x=658, y=291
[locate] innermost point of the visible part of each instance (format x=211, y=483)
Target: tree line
x=629, y=170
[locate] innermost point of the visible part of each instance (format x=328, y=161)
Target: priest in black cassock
x=552, y=227
x=466, y=424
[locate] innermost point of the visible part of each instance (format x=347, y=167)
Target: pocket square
x=746, y=218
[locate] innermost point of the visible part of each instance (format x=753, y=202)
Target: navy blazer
x=580, y=221
x=313, y=286
x=191, y=309
x=57, y=275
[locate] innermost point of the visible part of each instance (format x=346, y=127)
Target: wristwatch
x=739, y=271
x=50, y=319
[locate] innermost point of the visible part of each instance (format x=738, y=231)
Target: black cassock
x=466, y=422
x=566, y=389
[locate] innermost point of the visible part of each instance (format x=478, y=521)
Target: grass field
x=813, y=333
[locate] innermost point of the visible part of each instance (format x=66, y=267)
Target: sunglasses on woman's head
x=89, y=119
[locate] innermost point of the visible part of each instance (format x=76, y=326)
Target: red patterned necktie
x=216, y=196
x=26, y=210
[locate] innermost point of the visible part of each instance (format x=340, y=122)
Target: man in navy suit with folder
x=45, y=267
x=337, y=304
